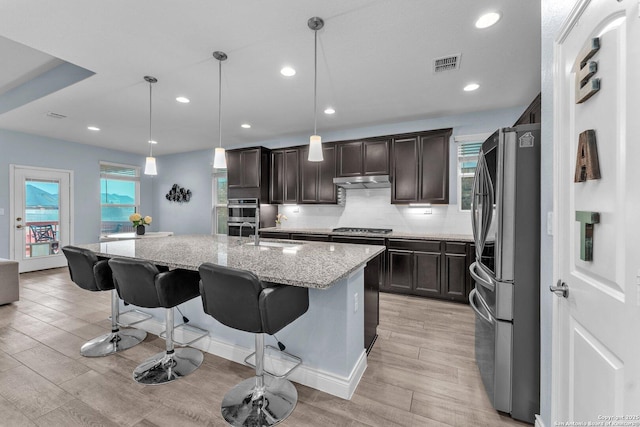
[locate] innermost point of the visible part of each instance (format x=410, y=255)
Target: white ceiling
x=374, y=66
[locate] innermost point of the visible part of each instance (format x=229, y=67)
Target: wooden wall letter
x=586, y=86
x=587, y=165
x=587, y=220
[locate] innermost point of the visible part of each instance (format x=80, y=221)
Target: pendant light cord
x=220, y=101
x=150, y=110
x=315, y=80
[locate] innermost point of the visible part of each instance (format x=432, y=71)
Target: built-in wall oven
x=242, y=211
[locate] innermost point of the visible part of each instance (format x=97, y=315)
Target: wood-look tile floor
x=421, y=371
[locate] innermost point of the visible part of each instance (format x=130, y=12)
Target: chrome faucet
x=242, y=225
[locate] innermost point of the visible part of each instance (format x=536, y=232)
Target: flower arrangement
x=280, y=218
x=137, y=219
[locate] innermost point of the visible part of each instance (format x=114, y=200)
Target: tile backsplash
x=372, y=208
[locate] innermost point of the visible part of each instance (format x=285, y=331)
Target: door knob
x=19, y=219
x=561, y=289
x=19, y=226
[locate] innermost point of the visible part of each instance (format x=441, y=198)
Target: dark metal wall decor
x=587, y=220
x=586, y=86
x=587, y=164
x=178, y=194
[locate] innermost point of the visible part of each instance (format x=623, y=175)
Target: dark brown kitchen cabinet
x=248, y=173
x=311, y=237
x=533, y=113
x=420, y=167
x=368, y=157
x=274, y=235
x=316, y=178
x=428, y=268
x=284, y=176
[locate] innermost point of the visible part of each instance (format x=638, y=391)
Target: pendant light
x=219, y=158
x=150, y=164
x=315, y=142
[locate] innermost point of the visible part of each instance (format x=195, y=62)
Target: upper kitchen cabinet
x=248, y=173
x=533, y=113
x=285, y=176
x=420, y=167
x=316, y=178
x=368, y=157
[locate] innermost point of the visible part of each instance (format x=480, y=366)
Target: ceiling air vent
x=56, y=115
x=446, y=63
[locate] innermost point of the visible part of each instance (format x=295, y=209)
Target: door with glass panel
x=219, y=212
x=41, y=219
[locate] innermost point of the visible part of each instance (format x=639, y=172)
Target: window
x=119, y=196
x=220, y=211
x=468, y=149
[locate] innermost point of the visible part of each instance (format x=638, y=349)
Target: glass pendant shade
x=315, y=148
x=150, y=166
x=220, y=159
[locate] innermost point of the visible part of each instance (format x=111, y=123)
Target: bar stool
x=93, y=274
x=238, y=299
x=142, y=284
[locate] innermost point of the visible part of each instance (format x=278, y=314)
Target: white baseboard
x=539, y=422
x=328, y=382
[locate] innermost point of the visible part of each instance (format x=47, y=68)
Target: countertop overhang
x=310, y=264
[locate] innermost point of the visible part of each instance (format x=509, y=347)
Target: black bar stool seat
x=238, y=299
x=93, y=274
x=142, y=284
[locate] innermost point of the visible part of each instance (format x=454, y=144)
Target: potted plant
x=139, y=222
x=279, y=219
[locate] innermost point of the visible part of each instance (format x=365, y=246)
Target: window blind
x=110, y=170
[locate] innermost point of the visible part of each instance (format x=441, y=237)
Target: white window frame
x=109, y=176
x=463, y=140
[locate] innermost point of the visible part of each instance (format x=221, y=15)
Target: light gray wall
x=554, y=13
x=32, y=150
x=191, y=171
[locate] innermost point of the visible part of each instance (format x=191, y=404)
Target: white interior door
x=596, y=343
x=41, y=217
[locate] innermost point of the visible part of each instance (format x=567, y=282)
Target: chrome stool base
x=113, y=342
x=245, y=405
x=163, y=368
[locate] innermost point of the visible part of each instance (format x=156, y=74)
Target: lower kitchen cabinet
x=274, y=235
x=428, y=268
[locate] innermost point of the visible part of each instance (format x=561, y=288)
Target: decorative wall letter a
x=587, y=220
x=587, y=165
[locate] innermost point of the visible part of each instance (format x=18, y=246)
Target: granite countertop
x=392, y=235
x=307, y=264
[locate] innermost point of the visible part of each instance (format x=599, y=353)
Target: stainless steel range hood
x=376, y=181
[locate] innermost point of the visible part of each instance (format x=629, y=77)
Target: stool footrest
x=140, y=316
x=184, y=334
x=283, y=355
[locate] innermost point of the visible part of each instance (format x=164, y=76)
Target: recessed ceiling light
x=471, y=86
x=153, y=141
x=487, y=20
x=183, y=100
x=93, y=128
x=329, y=110
x=288, y=72
x=245, y=125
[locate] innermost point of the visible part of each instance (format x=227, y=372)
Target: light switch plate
x=550, y=223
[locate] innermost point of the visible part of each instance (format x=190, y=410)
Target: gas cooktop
x=362, y=230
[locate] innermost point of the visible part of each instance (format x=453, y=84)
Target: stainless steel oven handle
x=481, y=277
x=472, y=297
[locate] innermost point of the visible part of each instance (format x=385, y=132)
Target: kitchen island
x=329, y=337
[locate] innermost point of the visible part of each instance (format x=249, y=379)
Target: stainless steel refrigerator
x=505, y=216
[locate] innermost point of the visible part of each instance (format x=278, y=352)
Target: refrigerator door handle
x=481, y=277
x=472, y=298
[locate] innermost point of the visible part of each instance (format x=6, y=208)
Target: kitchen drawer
x=358, y=240
x=310, y=237
x=415, y=245
x=455, y=248
x=274, y=235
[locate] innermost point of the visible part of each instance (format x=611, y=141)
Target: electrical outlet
x=355, y=302
x=1, y=211
x=296, y=209
x=550, y=223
